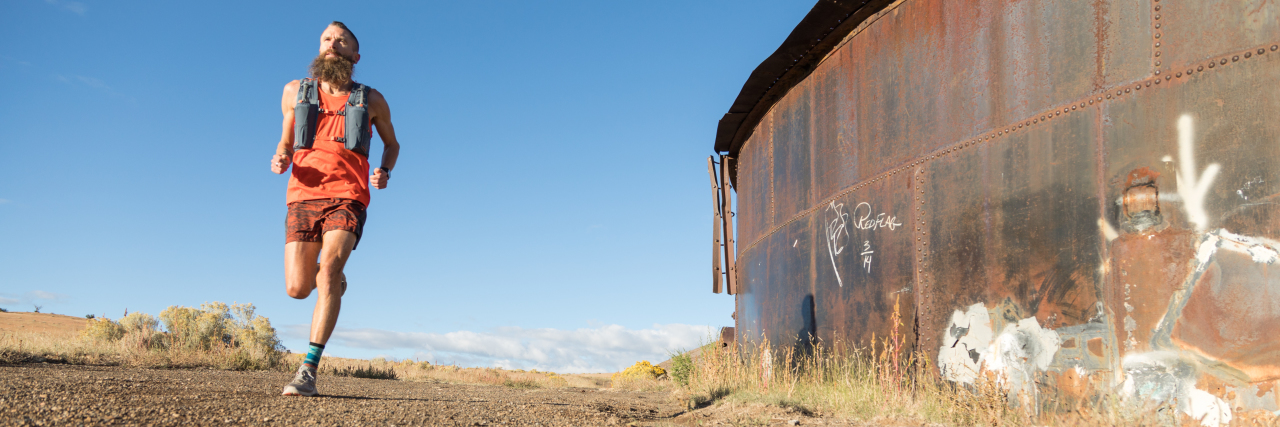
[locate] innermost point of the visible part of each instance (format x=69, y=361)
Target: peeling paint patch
x=964, y=343
x=1022, y=350
x=1163, y=376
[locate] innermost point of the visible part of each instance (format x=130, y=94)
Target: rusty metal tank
x=1056, y=190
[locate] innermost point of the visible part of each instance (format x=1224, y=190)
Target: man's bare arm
x=284, y=150
x=380, y=115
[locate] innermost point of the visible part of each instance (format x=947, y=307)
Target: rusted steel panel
x=1081, y=207
x=864, y=263
x=1193, y=31
x=786, y=303
x=1021, y=242
x=792, y=179
x=755, y=163
x=776, y=302
x=835, y=138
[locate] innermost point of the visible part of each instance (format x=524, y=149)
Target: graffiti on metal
x=1071, y=195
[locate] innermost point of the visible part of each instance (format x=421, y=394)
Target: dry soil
x=57, y=395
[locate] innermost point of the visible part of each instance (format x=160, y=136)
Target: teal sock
x=313, y=356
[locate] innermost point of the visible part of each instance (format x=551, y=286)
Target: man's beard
x=336, y=69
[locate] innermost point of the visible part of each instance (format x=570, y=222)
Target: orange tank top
x=329, y=170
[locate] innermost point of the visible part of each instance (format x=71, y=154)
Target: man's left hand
x=379, y=178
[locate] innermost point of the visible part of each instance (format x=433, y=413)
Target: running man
x=326, y=136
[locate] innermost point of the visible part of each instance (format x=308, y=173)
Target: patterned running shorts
x=308, y=220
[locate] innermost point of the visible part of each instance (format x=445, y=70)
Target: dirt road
x=58, y=395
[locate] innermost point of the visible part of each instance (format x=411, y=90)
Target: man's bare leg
x=333, y=258
x=302, y=275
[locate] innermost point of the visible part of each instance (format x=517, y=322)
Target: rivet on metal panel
x=1157, y=43
x=1247, y=55
x=1262, y=51
x=999, y=133
x=1072, y=107
x=1090, y=102
x=1138, y=87
x=1189, y=71
x=1157, y=8
x=1157, y=27
x=1157, y=72
x=1167, y=77
x=1211, y=64
x=1157, y=35
x=1158, y=80
x=1179, y=74
x=1200, y=68
x=1157, y=17
x=1081, y=105
x=1149, y=83
x=1065, y=110
x=1235, y=58
x=1057, y=113
x=1274, y=47
x=1099, y=99
x=1157, y=63
x=1126, y=90
x=1157, y=54
x=1222, y=61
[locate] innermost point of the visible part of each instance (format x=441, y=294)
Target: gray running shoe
x=303, y=384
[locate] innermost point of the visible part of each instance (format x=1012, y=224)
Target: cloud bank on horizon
x=604, y=349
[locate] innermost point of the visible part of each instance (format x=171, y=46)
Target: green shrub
x=681, y=367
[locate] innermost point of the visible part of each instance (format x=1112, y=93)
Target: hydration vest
x=306, y=116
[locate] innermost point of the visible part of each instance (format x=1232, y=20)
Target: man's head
x=339, y=52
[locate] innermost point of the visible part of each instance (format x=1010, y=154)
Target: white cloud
x=42, y=295
x=603, y=349
x=75, y=7
x=8, y=301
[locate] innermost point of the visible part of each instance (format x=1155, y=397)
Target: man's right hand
x=280, y=163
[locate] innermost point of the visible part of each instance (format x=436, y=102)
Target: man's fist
x=379, y=178
x=280, y=163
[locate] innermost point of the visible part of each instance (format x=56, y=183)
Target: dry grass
x=884, y=384
x=409, y=370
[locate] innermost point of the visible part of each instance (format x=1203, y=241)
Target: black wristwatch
x=385, y=170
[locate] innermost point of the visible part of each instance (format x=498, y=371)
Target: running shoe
x=303, y=384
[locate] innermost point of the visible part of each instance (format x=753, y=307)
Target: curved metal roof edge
x=820, y=32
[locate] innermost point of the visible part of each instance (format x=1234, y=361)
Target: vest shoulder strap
x=307, y=91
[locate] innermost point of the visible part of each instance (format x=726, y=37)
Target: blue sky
x=550, y=208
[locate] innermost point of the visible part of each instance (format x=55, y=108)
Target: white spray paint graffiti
x=964, y=343
x=838, y=228
x=835, y=228
x=1022, y=350
x=1192, y=188
x=1016, y=355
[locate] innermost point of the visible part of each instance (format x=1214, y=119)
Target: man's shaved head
x=354, y=40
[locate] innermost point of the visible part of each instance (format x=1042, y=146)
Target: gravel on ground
x=72, y=395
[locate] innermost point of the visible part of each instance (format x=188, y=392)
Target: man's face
x=337, y=58
x=336, y=41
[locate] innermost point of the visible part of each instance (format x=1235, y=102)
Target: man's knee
x=329, y=280
x=297, y=290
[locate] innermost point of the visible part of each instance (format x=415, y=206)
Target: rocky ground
x=67, y=395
